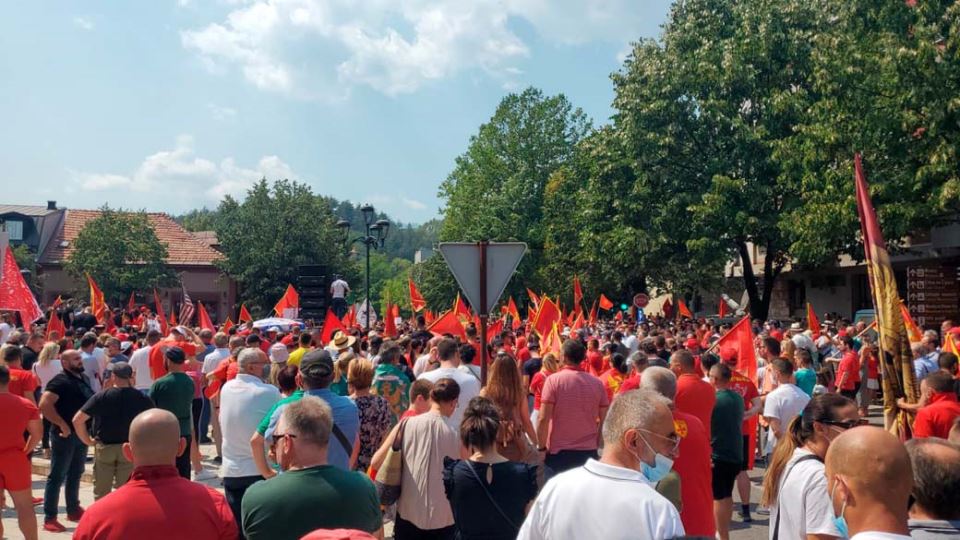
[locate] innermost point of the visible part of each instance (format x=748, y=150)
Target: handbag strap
x=398, y=439
x=342, y=437
x=483, y=485
x=776, y=526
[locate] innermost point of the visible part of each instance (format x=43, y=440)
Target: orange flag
x=173, y=317
x=605, y=303
x=227, y=325
x=289, y=300
x=448, y=323
x=896, y=358
x=54, y=325
x=548, y=315
x=97, y=303
x=950, y=344
x=204, y=317
x=812, y=322
x=161, y=318
x=350, y=317
x=244, y=314
x=683, y=310
x=722, y=312
x=913, y=331
x=330, y=326
x=514, y=313
x=416, y=299
x=577, y=293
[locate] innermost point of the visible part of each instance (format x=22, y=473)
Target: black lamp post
x=374, y=236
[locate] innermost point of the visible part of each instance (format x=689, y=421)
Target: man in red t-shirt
x=19, y=415
x=594, y=363
x=936, y=418
x=694, y=395
x=848, y=372
x=23, y=383
x=752, y=404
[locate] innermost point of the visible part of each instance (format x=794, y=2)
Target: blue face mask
x=661, y=465
x=840, y=522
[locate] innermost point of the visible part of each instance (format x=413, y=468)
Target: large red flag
x=605, y=303
x=896, y=358
x=330, y=325
x=812, y=322
x=552, y=342
x=548, y=315
x=204, y=317
x=578, y=323
x=460, y=308
x=739, y=341
x=683, y=310
x=15, y=294
x=161, y=317
x=97, y=303
x=448, y=323
x=244, y=314
x=416, y=299
x=55, y=325
x=289, y=300
x=577, y=294
x=389, y=322
x=494, y=329
x=722, y=311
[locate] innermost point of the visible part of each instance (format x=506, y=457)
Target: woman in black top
x=488, y=494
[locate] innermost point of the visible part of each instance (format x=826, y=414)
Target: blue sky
x=169, y=104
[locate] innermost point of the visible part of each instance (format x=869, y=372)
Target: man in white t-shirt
x=783, y=404
x=339, y=290
x=5, y=328
x=614, y=497
x=140, y=362
x=449, y=355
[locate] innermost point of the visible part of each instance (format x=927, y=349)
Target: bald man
x=869, y=478
x=157, y=503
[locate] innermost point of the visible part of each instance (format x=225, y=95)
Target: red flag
x=460, y=308
x=494, y=329
x=913, y=331
x=667, y=309
x=514, y=313
x=389, y=322
x=131, y=303
x=244, y=314
x=97, y=303
x=289, y=300
x=722, y=312
x=683, y=310
x=448, y=323
x=428, y=317
x=58, y=302
x=577, y=293
x=739, y=341
x=204, y=317
x=15, y=295
x=227, y=325
x=173, y=317
x=812, y=322
x=416, y=299
x=593, y=313
x=350, y=317
x=578, y=323
x=160, y=315
x=548, y=315
x=54, y=325
x=605, y=303
x=534, y=299
x=552, y=342
x=618, y=317
x=330, y=326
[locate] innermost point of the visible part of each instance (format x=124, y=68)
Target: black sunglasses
x=846, y=424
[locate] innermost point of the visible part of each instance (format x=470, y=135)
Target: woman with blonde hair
x=505, y=390
x=376, y=416
x=340, y=368
x=551, y=364
x=45, y=368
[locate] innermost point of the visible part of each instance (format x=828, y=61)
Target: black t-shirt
x=85, y=321
x=532, y=366
x=514, y=485
x=664, y=354
x=112, y=411
x=29, y=357
x=72, y=391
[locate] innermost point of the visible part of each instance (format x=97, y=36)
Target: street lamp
x=375, y=234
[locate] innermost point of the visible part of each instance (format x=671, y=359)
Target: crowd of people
x=625, y=429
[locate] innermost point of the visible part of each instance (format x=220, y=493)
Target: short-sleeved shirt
x=849, y=365
x=72, y=390
x=806, y=380
x=28, y=357
x=91, y=368
x=17, y=412
x=803, y=501
x=693, y=467
x=785, y=403
x=696, y=397
x=22, y=382
x=726, y=437
x=174, y=392
x=513, y=486
x=295, y=503
x=265, y=422
x=469, y=389
x=345, y=416
x=296, y=356
x=427, y=439
x=536, y=388
x=577, y=399
x=392, y=384
x=112, y=411
x=936, y=419
x=748, y=391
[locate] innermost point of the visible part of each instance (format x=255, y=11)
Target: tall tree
x=121, y=251
x=273, y=231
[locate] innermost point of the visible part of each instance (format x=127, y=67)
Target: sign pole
x=481, y=311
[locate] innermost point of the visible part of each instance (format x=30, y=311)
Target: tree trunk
x=759, y=301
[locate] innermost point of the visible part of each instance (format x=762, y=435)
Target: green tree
x=121, y=252
x=496, y=189
x=273, y=231
x=26, y=260
x=202, y=219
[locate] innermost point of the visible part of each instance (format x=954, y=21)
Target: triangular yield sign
x=463, y=258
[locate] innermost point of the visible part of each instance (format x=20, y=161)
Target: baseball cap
x=317, y=363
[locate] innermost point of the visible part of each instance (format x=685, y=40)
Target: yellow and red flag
x=289, y=300
x=739, y=341
x=605, y=303
x=244, y=314
x=913, y=331
x=131, y=303
x=58, y=302
x=577, y=294
x=552, y=342
x=416, y=299
x=896, y=360
x=428, y=317
x=548, y=315
x=514, y=313
x=813, y=323
x=460, y=308
x=97, y=303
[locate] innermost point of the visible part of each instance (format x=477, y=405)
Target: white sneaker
x=204, y=475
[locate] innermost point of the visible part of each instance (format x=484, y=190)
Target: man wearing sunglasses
x=640, y=444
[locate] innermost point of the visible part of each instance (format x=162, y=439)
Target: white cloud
x=84, y=23
x=413, y=204
x=324, y=48
x=179, y=174
x=221, y=113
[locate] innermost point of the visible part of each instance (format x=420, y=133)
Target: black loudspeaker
x=313, y=284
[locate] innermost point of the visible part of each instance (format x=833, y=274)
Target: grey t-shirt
x=934, y=529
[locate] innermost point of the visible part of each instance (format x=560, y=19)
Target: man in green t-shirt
x=174, y=392
x=390, y=382
x=310, y=494
x=726, y=440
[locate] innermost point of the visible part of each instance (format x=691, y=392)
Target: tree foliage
x=273, y=231
x=122, y=253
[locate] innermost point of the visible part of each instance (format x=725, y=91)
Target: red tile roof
x=182, y=247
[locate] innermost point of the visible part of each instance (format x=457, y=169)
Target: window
x=14, y=228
